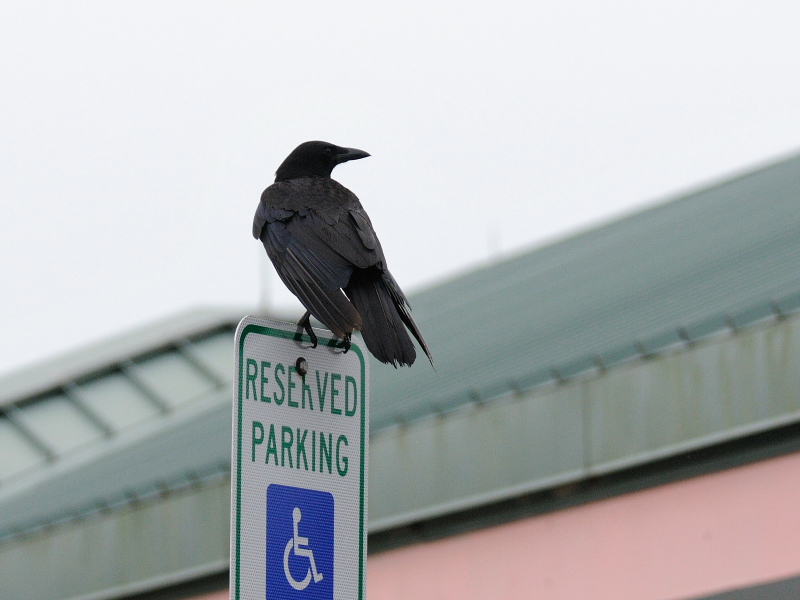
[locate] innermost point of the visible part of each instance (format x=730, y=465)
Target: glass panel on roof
x=117, y=400
x=58, y=423
x=216, y=352
x=174, y=378
x=16, y=452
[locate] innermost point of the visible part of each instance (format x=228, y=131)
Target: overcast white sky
x=136, y=137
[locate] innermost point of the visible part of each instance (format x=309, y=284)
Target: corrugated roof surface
x=728, y=251
x=150, y=411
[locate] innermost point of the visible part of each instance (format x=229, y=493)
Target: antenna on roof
x=493, y=243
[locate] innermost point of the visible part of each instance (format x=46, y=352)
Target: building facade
x=616, y=415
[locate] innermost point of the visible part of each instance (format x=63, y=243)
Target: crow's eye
x=328, y=151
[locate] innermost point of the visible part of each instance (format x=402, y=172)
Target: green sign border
x=298, y=337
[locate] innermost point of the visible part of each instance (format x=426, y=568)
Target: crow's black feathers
x=321, y=242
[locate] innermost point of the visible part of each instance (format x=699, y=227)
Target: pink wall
x=699, y=536
x=704, y=535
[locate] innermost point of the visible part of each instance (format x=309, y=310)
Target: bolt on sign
x=299, y=465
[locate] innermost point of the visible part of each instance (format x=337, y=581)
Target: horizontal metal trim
x=575, y=475
x=475, y=501
x=706, y=441
x=734, y=453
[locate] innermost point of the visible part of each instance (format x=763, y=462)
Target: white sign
x=299, y=465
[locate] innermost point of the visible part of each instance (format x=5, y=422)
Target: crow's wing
x=316, y=233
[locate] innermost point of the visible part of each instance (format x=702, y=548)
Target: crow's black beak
x=345, y=154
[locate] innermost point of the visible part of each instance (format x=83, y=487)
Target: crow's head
x=315, y=159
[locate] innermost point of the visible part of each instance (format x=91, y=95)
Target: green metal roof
x=724, y=256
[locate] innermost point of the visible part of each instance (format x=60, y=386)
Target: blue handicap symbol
x=299, y=543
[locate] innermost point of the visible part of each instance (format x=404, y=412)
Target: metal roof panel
x=689, y=263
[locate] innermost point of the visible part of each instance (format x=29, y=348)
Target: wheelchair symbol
x=300, y=546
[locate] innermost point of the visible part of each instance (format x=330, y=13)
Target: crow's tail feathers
x=385, y=315
x=404, y=308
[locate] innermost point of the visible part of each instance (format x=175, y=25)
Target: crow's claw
x=346, y=343
x=305, y=323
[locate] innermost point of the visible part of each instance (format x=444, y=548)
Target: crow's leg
x=346, y=341
x=305, y=323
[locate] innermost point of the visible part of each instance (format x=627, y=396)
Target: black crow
x=321, y=242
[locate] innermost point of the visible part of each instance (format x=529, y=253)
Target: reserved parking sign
x=299, y=465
